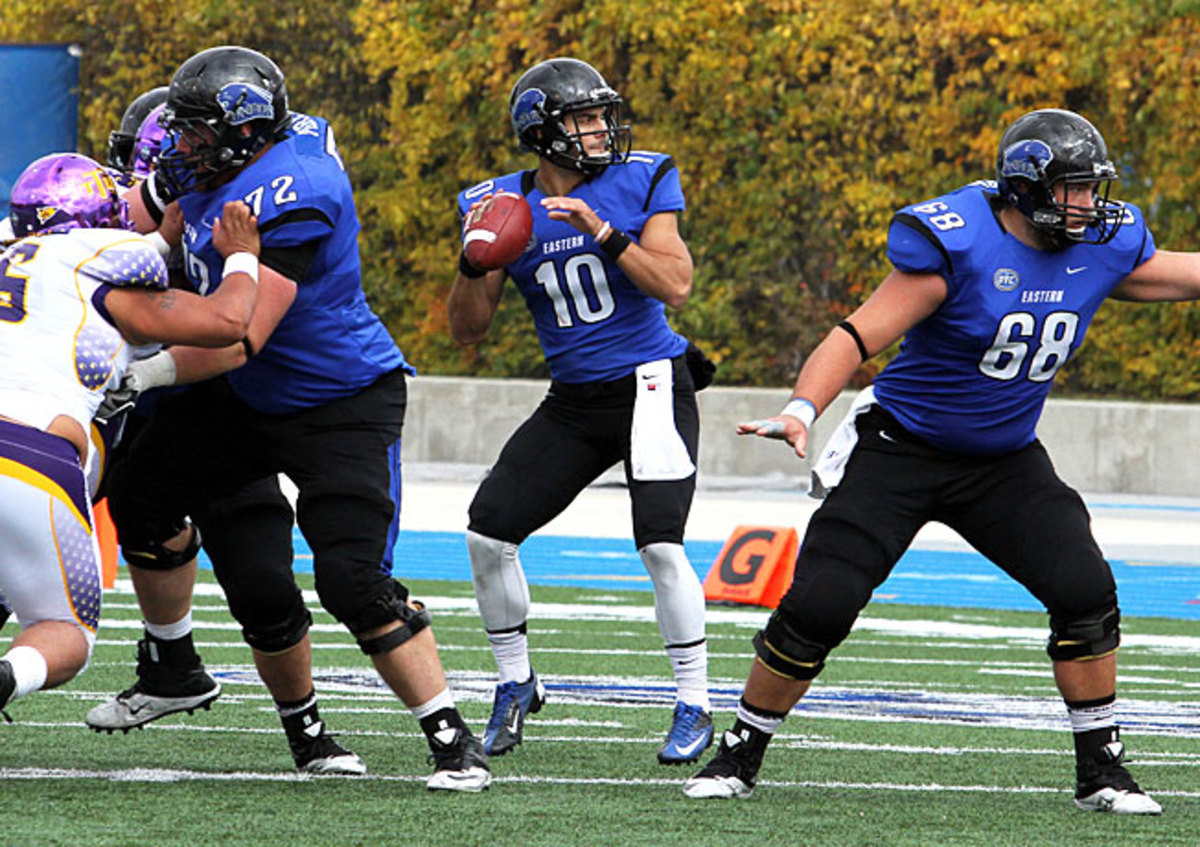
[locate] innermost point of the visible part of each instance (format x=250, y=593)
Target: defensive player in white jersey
x=606, y=261
x=75, y=290
x=993, y=287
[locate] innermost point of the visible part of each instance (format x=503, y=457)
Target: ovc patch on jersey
x=1005, y=279
x=243, y=103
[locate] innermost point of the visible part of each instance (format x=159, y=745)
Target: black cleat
x=459, y=762
x=732, y=771
x=1104, y=785
x=318, y=752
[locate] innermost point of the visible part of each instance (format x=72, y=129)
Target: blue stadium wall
x=39, y=99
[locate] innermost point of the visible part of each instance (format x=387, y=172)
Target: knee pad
x=1090, y=636
x=153, y=556
x=501, y=591
x=281, y=636
x=786, y=653
x=413, y=619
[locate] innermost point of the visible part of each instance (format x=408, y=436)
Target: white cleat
x=1119, y=802
x=133, y=708
x=345, y=765
x=716, y=788
x=470, y=780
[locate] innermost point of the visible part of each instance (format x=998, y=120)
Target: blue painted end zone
x=923, y=577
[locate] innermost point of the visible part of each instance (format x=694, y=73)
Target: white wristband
x=603, y=231
x=245, y=263
x=154, y=371
x=159, y=243
x=803, y=409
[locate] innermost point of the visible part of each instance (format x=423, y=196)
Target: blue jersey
x=973, y=376
x=329, y=343
x=594, y=324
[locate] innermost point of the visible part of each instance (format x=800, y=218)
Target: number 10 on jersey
x=569, y=292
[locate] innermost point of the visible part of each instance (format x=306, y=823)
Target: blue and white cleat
x=691, y=734
x=514, y=701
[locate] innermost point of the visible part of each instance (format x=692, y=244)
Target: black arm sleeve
x=292, y=261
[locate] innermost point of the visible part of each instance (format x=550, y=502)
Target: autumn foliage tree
x=798, y=128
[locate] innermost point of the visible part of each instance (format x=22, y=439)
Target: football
x=497, y=231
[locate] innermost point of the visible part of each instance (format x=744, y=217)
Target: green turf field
x=930, y=726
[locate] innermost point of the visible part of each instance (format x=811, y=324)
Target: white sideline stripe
x=756, y=618
x=164, y=775
x=789, y=742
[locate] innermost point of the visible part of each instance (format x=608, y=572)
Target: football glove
x=152, y=372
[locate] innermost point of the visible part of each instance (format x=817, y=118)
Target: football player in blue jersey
x=993, y=288
x=316, y=390
x=239, y=531
x=605, y=259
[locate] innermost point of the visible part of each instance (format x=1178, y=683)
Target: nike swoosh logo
x=1073, y=271
x=515, y=725
x=883, y=434
x=690, y=748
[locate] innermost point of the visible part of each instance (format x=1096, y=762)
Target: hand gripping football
x=497, y=231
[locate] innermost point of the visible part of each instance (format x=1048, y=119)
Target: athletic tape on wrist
x=241, y=262
x=603, y=231
x=805, y=410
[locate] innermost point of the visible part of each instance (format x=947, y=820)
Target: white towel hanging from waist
x=827, y=472
x=657, y=452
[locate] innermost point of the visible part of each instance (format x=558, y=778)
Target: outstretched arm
x=1167, y=275
x=901, y=301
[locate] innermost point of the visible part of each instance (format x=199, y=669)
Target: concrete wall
x=1116, y=447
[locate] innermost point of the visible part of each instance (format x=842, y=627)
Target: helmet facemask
x=564, y=144
x=212, y=146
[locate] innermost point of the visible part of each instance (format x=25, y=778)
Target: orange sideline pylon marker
x=106, y=536
x=755, y=566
